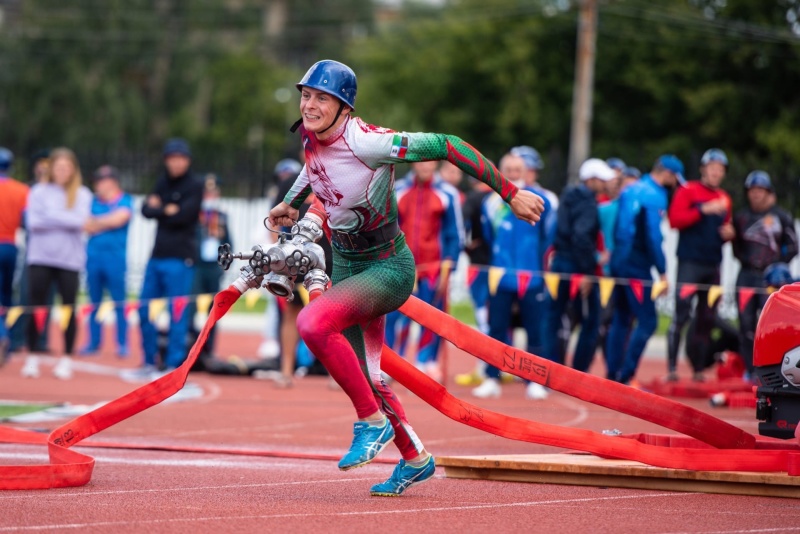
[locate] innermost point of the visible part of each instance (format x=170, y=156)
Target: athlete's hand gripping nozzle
x=296, y=253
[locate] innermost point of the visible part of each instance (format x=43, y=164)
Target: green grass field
x=10, y=410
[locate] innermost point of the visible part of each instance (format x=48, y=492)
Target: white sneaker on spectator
x=269, y=349
x=31, y=367
x=536, y=391
x=490, y=388
x=63, y=369
x=142, y=374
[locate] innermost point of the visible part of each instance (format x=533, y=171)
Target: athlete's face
x=318, y=110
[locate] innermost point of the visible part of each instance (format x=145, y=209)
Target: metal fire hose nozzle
x=295, y=254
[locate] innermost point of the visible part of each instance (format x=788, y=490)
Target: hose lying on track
x=735, y=449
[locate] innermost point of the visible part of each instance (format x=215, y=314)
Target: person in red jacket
x=701, y=212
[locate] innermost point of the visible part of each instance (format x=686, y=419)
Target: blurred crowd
x=608, y=225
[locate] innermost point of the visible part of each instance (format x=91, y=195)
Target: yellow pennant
x=551, y=280
x=66, y=315
x=251, y=297
x=606, y=288
x=155, y=308
x=13, y=314
x=495, y=274
x=303, y=293
x=658, y=287
x=714, y=293
x=204, y=303
x=771, y=290
x=103, y=310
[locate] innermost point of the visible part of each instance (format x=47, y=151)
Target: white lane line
x=252, y=429
x=582, y=412
x=330, y=514
x=743, y=531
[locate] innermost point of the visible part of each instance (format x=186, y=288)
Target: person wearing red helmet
x=350, y=168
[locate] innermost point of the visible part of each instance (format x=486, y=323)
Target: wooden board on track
x=589, y=470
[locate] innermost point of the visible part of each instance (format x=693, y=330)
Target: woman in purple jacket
x=58, y=208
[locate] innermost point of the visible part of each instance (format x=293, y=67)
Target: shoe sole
x=390, y=494
x=362, y=464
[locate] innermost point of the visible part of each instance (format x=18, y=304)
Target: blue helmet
x=616, y=164
x=714, y=154
x=530, y=156
x=758, y=179
x=334, y=78
x=632, y=172
x=288, y=166
x=777, y=275
x=6, y=159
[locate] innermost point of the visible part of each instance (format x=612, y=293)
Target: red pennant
x=638, y=289
x=130, y=307
x=687, y=290
x=84, y=311
x=40, y=317
x=178, y=305
x=574, y=285
x=523, y=279
x=745, y=294
x=472, y=274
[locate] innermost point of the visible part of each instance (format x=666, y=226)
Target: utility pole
x=581, y=129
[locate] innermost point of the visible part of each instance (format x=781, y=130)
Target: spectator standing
x=637, y=248
x=58, y=209
x=575, y=253
x=429, y=214
x=533, y=164
x=516, y=246
x=701, y=212
x=175, y=205
x=765, y=235
x=213, y=231
x=13, y=199
x=106, y=254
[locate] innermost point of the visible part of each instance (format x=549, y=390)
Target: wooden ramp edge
x=588, y=470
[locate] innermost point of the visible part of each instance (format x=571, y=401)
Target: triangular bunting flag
x=103, y=310
x=658, y=287
x=65, y=316
x=638, y=289
x=495, y=274
x=574, y=285
x=12, y=315
x=552, y=280
x=40, y=317
x=745, y=294
x=472, y=274
x=714, y=293
x=687, y=290
x=84, y=311
x=155, y=308
x=130, y=307
x=523, y=279
x=771, y=290
x=303, y=294
x=178, y=306
x=606, y=288
x=204, y=303
x=251, y=297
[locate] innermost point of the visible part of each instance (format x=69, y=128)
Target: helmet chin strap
x=297, y=124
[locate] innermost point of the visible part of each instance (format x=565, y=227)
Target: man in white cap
x=575, y=253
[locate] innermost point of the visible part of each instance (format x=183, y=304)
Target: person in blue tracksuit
x=106, y=254
x=637, y=248
x=516, y=247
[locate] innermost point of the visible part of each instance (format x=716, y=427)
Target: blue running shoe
x=368, y=442
x=403, y=477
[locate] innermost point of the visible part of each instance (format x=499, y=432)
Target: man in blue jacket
x=637, y=248
x=575, y=246
x=518, y=248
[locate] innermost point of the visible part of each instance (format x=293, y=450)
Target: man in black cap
x=175, y=206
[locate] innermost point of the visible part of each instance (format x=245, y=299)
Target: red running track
x=157, y=491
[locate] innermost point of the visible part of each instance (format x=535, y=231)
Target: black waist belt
x=365, y=240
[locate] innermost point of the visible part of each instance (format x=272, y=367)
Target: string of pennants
x=552, y=281
x=177, y=305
